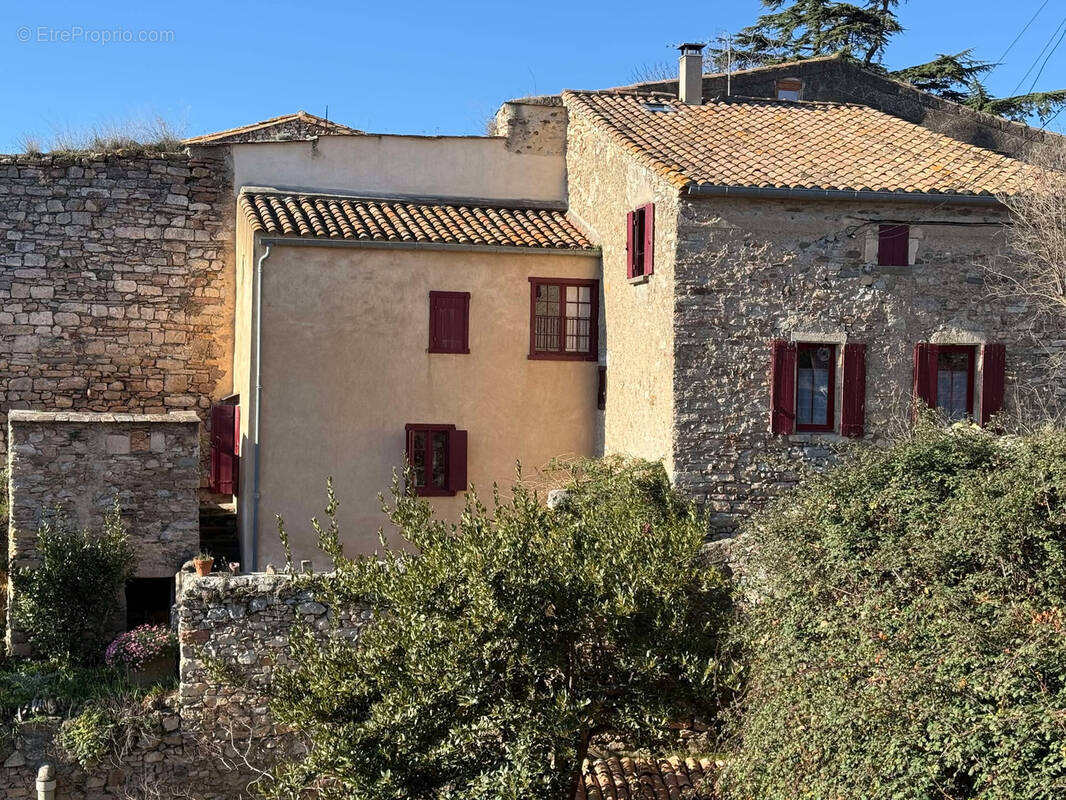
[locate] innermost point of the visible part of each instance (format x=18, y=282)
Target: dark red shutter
x=993, y=380
x=236, y=449
x=782, y=386
x=449, y=322
x=601, y=389
x=457, y=461
x=925, y=356
x=893, y=245
x=649, y=239
x=853, y=411
x=630, y=249
x=224, y=446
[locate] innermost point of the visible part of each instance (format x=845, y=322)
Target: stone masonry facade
x=750, y=271
x=82, y=464
x=116, y=276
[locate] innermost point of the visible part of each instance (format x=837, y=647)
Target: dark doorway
x=148, y=601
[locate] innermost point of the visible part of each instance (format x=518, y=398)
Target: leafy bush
x=904, y=627
x=64, y=602
x=510, y=640
x=145, y=643
x=31, y=688
x=110, y=726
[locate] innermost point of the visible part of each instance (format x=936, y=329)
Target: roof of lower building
x=777, y=144
x=337, y=217
x=300, y=125
x=648, y=779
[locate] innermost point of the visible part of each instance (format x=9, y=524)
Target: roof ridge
x=253, y=126
x=412, y=199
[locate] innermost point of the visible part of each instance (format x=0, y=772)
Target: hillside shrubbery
x=905, y=626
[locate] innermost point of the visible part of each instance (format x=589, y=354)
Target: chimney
x=690, y=89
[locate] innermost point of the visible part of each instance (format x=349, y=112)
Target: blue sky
x=403, y=67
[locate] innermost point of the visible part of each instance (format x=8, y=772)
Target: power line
x=1049, y=55
x=1039, y=55
x=1032, y=19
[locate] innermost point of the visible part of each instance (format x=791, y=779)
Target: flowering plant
x=133, y=649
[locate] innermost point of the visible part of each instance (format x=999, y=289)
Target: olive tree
x=501, y=645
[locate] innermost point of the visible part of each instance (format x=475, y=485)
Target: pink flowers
x=133, y=649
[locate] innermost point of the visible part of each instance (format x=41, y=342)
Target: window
x=893, y=245
x=437, y=457
x=945, y=376
x=803, y=388
x=954, y=381
x=640, y=242
x=815, y=386
x=789, y=88
x=449, y=322
x=563, y=319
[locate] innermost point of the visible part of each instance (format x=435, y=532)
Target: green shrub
x=511, y=639
x=63, y=604
x=905, y=627
x=107, y=727
x=31, y=688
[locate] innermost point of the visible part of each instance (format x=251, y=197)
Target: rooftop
x=287, y=126
x=774, y=144
x=648, y=779
x=337, y=217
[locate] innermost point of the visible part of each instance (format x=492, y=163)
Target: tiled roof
x=350, y=218
x=795, y=145
x=301, y=119
x=648, y=779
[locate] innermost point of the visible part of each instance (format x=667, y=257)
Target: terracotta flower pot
x=203, y=566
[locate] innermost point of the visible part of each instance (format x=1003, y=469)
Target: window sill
x=562, y=357
x=450, y=352
x=434, y=493
x=638, y=280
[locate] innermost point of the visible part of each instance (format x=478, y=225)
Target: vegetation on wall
x=904, y=626
x=64, y=602
x=515, y=637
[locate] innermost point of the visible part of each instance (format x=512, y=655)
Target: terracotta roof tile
x=309, y=121
x=648, y=779
x=350, y=218
x=795, y=145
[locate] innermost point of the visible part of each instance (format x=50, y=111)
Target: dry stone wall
x=116, y=282
x=233, y=632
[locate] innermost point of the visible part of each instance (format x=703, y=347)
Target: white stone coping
x=24, y=416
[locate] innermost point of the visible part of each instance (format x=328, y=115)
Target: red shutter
x=457, y=481
x=853, y=411
x=449, y=322
x=782, y=386
x=601, y=389
x=225, y=445
x=993, y=380
x=630, y=249
x=649, y=239
x=893, y=245
x=925, y=356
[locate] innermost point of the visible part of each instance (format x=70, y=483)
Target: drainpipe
x=258, y=401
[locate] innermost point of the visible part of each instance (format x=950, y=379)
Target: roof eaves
x=695, y=189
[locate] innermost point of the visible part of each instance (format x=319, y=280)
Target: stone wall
x=233, y=631
x=83, y=463
x=750, y=271
x=116, y=277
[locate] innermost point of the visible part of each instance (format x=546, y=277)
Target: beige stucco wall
x=427, y=166
x=605, y=184
x=345, y=367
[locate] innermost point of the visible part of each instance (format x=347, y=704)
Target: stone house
x=731, y=274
